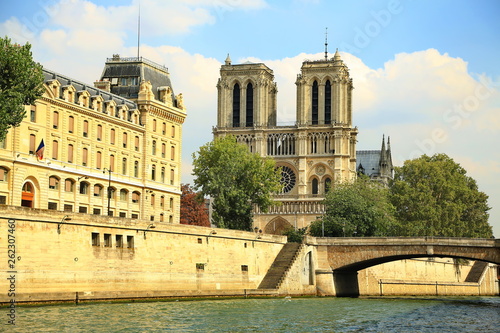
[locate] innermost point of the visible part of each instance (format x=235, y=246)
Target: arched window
x=53, y=183
x=123, y=194
x=85, y=156
x=163, y=150
x=124, y=166
x=4, y=173
x=84, y=188
x=153, y=148
x=328, y=102
x=328, y=184
x=154, y=125
x=136, y=169
x=236, y=105
x=153, y=172
x=315, y=186
x=249, y=106
x=162, y=201
x=69, y=185
x=98, y=190
x=136, y=196
x=314, y=103
x=55, y=149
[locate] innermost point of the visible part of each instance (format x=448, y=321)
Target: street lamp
x=151, y=226
x=64, y=219
x=109, y=186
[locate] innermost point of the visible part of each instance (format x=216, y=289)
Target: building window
x=55, y=119
x=112, y=136
x=123, y=194
x=3, y=200
x=244, y=268
x=55, y=149
x=32, y=144
x=153, y=148
x=328, y=102
x=153, y=200
x=85, y=128
x=125, y=139
x=135, y=216
x=85, y=156
x=98, y=160
x=136, y=143
x=96, y=211
x=70, y=153
x=33, y=114
x=328, y=184
x=171, y=203
x=69, y=185
x=163, y=150
x=95, y=239
x=136, y=169
x=135, y=197
x=124, y=166
x=130, y=242
x=119, y=240
x=112, y=163
x=123, y=214
x=53, y=183
x=153, y=172
x=172, y=153
x=172, y=176
x=236, y=105
x=4, y=174
x=68, y=208
x=164, y=129
x=200, y=267
x=123, y=81
x=107, y=240
x=162, y=175
x=97, y=190
x=52, y=206
x=99, y=132
x=82, y=209
x=173, y=131
x=162, y=201
x=3, y=143
x=171, y=219
x=84, y=188
x=71, y=124
x=314, y=186
x=200, y=241
x=249, y=106
x=315, y=103
x=154, y=125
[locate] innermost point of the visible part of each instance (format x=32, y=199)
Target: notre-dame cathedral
x=315, y=153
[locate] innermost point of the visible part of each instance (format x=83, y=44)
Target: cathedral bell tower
x=324, y=91
x=246, y=96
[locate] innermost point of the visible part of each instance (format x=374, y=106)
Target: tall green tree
x=21, y=83
x=360, y=209
x=236, y=180
x=434, y=196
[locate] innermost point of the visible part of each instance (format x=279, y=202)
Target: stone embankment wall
x=96, y=257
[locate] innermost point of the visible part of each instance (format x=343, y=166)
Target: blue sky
x=426, y=73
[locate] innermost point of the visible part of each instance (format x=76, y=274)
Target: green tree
x=434, y=196
x=236, y=180
x=21, y=83
x=360, y=209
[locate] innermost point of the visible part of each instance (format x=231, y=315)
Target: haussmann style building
x=109, y=149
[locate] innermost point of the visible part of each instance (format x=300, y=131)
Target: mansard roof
x=135, y=67
x=80, y=86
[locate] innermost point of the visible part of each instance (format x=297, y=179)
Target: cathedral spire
x=228, y=60
x=326, y=44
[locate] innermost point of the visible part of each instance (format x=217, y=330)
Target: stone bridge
x=342, y=258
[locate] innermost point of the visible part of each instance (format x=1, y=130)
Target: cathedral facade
x=314, y=154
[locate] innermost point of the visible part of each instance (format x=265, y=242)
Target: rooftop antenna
x=326, y=44
x=139, y=31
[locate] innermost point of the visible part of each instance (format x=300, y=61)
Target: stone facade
x=314, y=154
x=84, y=149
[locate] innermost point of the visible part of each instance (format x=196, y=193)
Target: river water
x=458, y=314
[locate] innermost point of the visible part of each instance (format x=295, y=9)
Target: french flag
x=40, y=149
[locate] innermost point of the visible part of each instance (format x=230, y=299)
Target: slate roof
x=369, y=160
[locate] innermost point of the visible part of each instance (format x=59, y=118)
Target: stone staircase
x=476, y=271
x=280, y=266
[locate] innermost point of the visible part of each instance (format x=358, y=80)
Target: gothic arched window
x=249, y=106
x=314, y=103
x=328, y=102
x=315, y=186
x=236, y=105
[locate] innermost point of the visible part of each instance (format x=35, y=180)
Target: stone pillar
x=324, y=282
